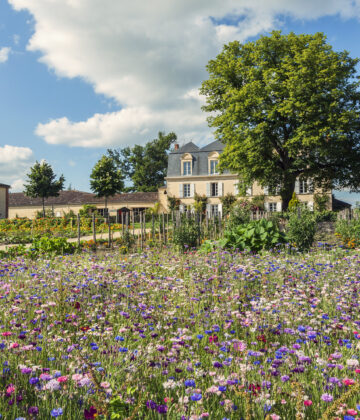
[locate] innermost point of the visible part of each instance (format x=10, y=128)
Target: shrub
x=52, y=246
x=301, y=229
x=200, y=203
x=320, y=202
x=173, y=203
x=240, y=213
x=349, y=232
x=254, y=236
x=187, y=234
x=227, y=202
x=294, y=203
x=258, y=202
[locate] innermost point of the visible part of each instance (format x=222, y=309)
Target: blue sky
x=79, y=77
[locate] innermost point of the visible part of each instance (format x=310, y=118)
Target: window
x=186, y=168
x=214, y=189
x=103, y=212
x=186, y=190
x=272, y=207
x=214, y=166
x=274, y=190
x=303, y=186
x=214, y=209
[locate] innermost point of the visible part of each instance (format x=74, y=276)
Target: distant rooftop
x=5, y=185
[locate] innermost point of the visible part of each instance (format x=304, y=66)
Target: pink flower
x=351, y=412
x=105, y=385
x=10, y=389
x=14, y=345
x=357, y=370
x=6, y=333
x=307, y=403
x=274, y=417
x=77, y=377
x=239, y=346
x=62, y=378
x=348, y=382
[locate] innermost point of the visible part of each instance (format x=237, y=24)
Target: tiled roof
x=214, y=146
x=75, y=197
x=4, y=185
x=187, y=148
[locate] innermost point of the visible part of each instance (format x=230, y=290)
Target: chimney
x=176, y=146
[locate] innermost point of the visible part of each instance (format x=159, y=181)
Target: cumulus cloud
x=14, y=164
x=4, y=54
x=148, y=56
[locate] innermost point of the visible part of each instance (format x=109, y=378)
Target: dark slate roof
x=339, y=204
x=200, y=158
x=75, y=197
x=4, y=185
x=215, y=146
x=187, y=148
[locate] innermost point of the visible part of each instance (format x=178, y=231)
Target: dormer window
x=186, y=168
x=186, y=164
x=213, y=167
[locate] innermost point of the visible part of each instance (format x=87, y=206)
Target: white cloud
x=4, y=54
x=14, y=164
x=148, y=56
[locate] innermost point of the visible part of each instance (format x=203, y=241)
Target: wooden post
x=94, y=228
x=109, y=230
x=141, y=230
x=78, y=229
x=152, y=227
x=167, y=227
x=127, y=221
x=122, y=224
x=133, y=223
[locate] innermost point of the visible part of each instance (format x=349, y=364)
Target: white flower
x=352, y=362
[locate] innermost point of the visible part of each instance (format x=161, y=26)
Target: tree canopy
x=145, y=166
x=286, y=106
x=42, y=182
x=106, y=179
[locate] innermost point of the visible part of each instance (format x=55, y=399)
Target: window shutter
x=311, y=205
x=310, y=183
x=266, y=205
x=220, y=189
x=266, y=190
x=297, y=187
x=192, y=190
x=181, y=191
x=249, y=191
x=220, y=209
x=279, y=206
x=208, y=189
x=208, y=209
x=236, y=187
x=181, y=208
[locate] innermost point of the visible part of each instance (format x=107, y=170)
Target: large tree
x=145, y=166
x=106, y=179
x=42, y=182
x=286, y=106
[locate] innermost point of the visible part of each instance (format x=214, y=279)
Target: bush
x=325, y=216
x=240, y=213
x=254, y=236
x=227, y=202
x=187, y=234
x=301, y=230
x=348, y=232
x=294, y=203
x=52, y=246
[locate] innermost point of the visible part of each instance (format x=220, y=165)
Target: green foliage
x=154, y=210
x=52, y=246
x=301, y=229
x=42, y=182
x=187, y=234
x=87, y=210
x=200, y=203
x=254, y=236
x=321, y=202
x=240, y=212
x=106, y=179
x=265, y=98
x=145, y=166
x=40, y=213
x=325, y=216
x=173, y=203
x=258, y=201
x=227, y=201
x=349, y=232
x=294, y=203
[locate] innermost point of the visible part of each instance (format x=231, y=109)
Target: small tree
x=42, y=183
x=106, y=179
x=200, y=203
x=227, y=202
x=173, y=203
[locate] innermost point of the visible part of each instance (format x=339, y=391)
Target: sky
x=80, y=76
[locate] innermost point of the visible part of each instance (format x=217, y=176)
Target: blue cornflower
x=56, y=412
x=196, y=397
x=190, y=383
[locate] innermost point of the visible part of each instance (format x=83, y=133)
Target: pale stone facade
x=192, y=170
x=4, y=201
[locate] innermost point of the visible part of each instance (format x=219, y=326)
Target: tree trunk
x=287, y=192
x=43, y=203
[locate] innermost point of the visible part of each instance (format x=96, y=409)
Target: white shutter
x=182, y=208
x=192, y=190
x=266, y=190
x=236, y=187
x=220, y=209
x=249, y=191
x=220, y=189
x=208, y=209
x=297, y=186
x=279, y=206
x=311, y=205
x=266, y=205
x=181, y=191
x=310, y=184
x=208, y=189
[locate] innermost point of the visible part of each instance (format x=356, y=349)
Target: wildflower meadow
x=162, y=334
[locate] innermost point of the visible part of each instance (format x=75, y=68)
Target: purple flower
x=327, y=397
x=196, y=397
x=285, y=378
x=33, y=381
x=56, y=412
x=190, y=383
x=33, y=411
